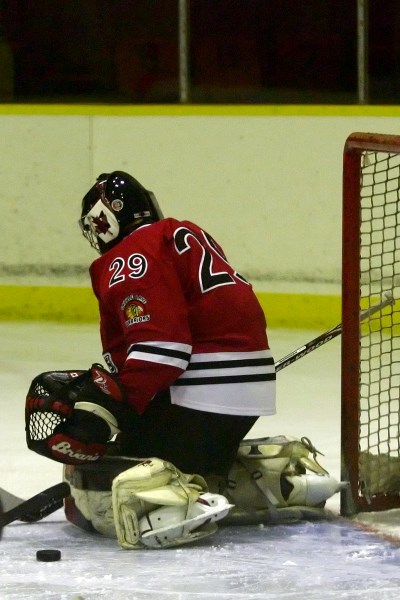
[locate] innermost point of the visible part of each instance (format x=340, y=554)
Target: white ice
x=307, y=561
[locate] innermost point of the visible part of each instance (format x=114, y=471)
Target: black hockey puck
x=48, y=555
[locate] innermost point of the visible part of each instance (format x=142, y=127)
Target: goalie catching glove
x=70, y=416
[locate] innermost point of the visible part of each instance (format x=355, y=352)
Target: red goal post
x=370, y=423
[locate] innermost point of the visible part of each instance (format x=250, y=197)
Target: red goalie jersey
x=174, y=314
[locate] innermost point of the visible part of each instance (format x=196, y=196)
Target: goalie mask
x=115, y=206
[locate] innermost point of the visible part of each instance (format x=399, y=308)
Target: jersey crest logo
x=134, y=311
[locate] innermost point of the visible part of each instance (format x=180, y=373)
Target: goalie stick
x=43, y=504
x=51, y=499
x=36, y=508
x=330, y=334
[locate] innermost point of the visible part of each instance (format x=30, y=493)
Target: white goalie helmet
x=175, y=525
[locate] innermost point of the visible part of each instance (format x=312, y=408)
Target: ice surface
x=304, y=561
x=307, y=561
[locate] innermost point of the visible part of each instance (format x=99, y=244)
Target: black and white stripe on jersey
x=228, y=367
x=164, y=353
x=207, y=368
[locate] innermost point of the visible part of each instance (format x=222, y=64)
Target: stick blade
x=42, y=505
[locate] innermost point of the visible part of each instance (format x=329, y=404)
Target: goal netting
x=371, y=348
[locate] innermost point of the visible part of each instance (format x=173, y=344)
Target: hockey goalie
x=154, y=442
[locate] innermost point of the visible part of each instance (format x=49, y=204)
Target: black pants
x=194, y=441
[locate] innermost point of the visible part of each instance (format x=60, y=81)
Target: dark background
x=241, y=51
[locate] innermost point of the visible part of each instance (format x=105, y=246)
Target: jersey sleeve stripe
x=167, y=353
x=157, y=350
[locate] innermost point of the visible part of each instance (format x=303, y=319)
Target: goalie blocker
x=150, y=503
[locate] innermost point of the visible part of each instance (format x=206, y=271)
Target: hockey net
x=371, y=348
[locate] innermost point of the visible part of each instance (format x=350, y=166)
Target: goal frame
x=357, y=143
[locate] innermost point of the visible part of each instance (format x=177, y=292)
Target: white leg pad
x=96, y=507
x=156, y=505
x=176, y=525
x=278, y=474
x=311, y=489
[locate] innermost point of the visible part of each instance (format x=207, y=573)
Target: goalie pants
x=194, y=441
